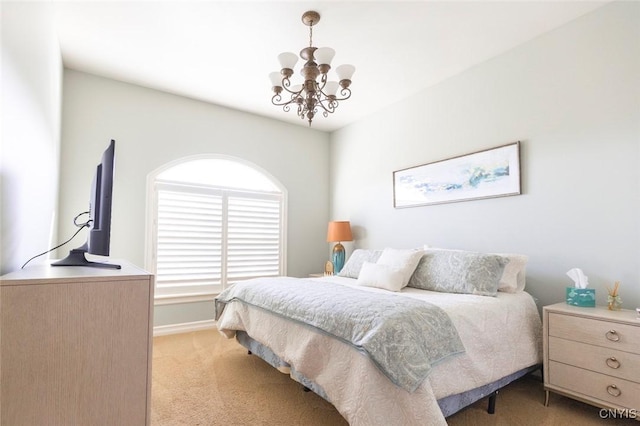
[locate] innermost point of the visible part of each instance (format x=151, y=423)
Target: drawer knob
x=612, y=335
x=613, y=362
x=613, y=390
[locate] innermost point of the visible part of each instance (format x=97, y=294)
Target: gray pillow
x=459, y=272
x=352, y=268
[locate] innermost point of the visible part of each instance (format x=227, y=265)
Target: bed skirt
x=448, y=405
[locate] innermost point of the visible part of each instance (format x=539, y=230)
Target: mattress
x=501, y=336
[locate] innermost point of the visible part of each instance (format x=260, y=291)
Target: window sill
x=183, y=298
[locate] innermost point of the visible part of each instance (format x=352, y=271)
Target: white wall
x=153, y=128
x=572, y=97
x=30, y=136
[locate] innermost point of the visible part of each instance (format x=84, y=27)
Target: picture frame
x=493, y=172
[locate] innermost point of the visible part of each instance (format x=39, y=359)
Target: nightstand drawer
x=609, y=334
x=595, y=385
x=603, y=360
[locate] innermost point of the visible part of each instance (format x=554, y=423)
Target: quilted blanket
x=403, y=337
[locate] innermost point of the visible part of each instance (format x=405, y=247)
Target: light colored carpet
x=201, y=378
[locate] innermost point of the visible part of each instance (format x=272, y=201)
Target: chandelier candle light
x=313, y=95
x=338, y=231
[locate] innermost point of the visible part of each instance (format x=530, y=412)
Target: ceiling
x=222, y=51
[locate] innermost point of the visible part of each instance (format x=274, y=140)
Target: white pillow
x=404, y=260
x=513, y=277
x=380, y=276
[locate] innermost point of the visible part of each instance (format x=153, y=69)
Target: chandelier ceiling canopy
x=317, y=92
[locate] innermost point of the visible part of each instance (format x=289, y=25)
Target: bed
x=496, y=331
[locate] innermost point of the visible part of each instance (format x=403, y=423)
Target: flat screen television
x=98, y=240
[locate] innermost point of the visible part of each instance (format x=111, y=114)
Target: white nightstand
x=593, y=355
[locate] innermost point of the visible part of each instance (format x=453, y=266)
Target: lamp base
x=337, y=258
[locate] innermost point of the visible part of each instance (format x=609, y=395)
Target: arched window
x=214, y=221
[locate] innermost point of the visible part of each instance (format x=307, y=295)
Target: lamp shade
x=331, y=88
x=276, y=79
x=288, y=60
x=345, y=72
x=339, y=231
x=324, y=55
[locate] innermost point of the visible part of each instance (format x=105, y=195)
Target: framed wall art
x=493, y=172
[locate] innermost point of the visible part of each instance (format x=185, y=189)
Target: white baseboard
x=163, y=330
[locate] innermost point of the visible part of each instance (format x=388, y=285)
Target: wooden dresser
x=593, y=355
x=75, y=346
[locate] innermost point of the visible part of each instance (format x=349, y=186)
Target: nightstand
x=592, y=355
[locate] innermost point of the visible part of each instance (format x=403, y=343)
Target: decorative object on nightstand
x=337, y=232
x=613, y=298
x=328, y=268
x=592, y=355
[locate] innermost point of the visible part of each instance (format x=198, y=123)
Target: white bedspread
x=501, y=335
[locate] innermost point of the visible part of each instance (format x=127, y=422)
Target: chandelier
x=314, y=94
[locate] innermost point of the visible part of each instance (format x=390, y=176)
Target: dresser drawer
x=595, y=385
x=603, y=360
x=609, y=334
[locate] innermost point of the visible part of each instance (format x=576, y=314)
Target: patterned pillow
x=459, y=272
x=513, y=278
x=352, y=268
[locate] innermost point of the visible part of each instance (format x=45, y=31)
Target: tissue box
x=585, y=297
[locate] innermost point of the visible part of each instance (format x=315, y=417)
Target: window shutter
x=189, y=242
x=253, y=247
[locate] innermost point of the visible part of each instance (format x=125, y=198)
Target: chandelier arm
x=276, y=100
x=329, y=97
x=327, y=103
x=286, y=83
x=346, y=93
x=301, y=111
x=323, y=82
x=326, y=111
x=315, y=110
x=298, y=93
x=330, y=107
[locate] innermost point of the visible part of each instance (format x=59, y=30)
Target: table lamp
x=338, y=231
